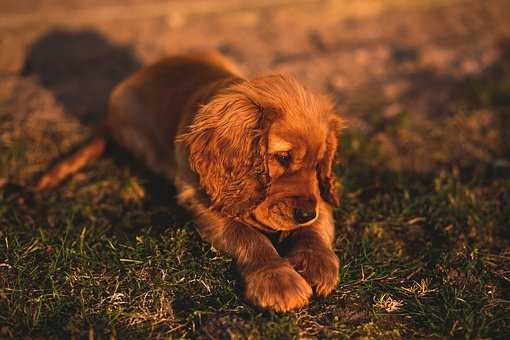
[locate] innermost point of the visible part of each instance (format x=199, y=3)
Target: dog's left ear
x=226, y=145
x=327, y=182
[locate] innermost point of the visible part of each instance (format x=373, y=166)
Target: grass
x=421, y=257
x=424, y=254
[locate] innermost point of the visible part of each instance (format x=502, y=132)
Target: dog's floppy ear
x=327, y=183
x=226, y=145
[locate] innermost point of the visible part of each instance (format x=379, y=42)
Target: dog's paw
x=319, y=267
x=278, y=287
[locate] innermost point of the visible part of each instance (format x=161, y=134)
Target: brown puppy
x=249, y=158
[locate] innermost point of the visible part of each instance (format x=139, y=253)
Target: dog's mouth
x=282, y=217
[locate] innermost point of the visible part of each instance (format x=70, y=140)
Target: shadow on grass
x=80, y=68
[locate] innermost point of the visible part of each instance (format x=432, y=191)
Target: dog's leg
x=270, y=281
x=311, y=253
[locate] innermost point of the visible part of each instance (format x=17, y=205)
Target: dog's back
x=147, y=110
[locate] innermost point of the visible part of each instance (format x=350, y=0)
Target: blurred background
x=422, y=84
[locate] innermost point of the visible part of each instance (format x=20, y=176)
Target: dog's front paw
x=319, y=267
x=278, y=287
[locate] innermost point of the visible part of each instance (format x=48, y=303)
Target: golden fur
x=249, y=158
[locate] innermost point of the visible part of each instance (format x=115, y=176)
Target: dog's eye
x=283, y=158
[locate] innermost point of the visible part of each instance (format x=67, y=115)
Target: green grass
x=109, y=254
x=420, y=257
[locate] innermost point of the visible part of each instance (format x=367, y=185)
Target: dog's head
x=263, y=150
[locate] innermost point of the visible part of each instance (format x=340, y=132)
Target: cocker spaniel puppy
x=251, y=160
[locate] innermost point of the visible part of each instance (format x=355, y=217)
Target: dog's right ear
x=226, y=145
x=327, y=182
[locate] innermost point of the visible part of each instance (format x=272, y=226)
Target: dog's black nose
x=302, y=216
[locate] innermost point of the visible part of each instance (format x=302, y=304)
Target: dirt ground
x=382, y=60
x=423, y=85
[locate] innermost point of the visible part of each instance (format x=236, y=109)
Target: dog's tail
x=71, y=164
